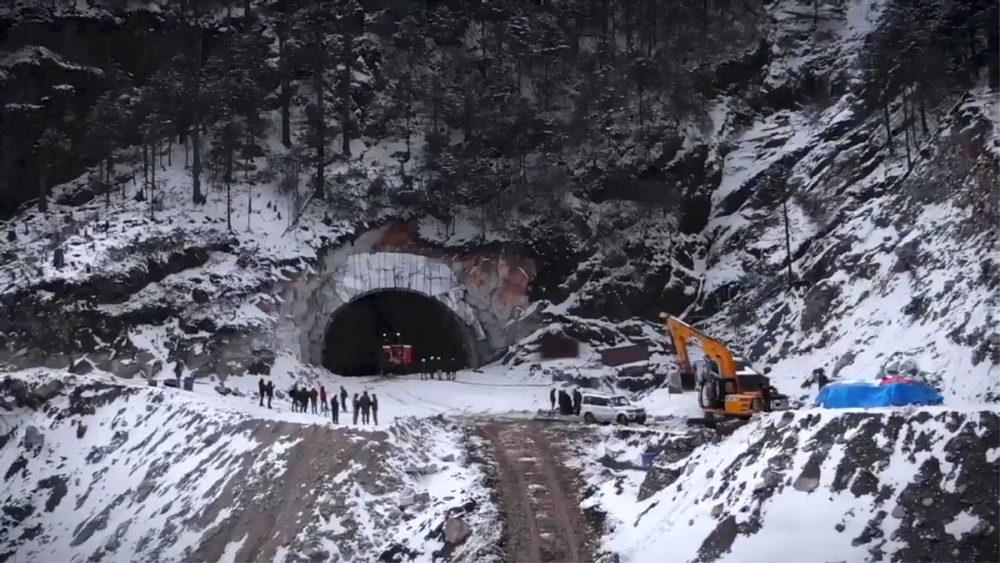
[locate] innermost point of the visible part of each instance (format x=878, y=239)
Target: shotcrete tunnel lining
x=353, y=336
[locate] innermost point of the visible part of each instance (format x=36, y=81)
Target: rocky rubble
x=905, y=485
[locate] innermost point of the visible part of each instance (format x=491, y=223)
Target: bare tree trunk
x=109, y=167
x=43, y=192
x=196, y=127
x=788, y=242
x=286, y=94
x=888, y=124
x=345, y=89
x=906, y=129
x=320, y=134
x=923, y=116
x=152, y=185
x=229, y=191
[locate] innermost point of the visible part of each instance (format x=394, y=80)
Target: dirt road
x=538, y=495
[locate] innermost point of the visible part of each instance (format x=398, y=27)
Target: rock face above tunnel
x=485, y=288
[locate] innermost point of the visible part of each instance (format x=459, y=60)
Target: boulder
x=49, y=391
x=818, y=304
x=125, y=369
x=83, y=367
x=316, y=554
x=456, y=530
x=448, y=458
x=144, y=357
x=429, y=469
x=842, y=362
x=407, y=498
x=907, y=256
x=806, y=484
x=200, y=296
x=422, y=497
x=33, y=439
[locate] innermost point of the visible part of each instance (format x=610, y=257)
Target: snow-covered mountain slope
x=96, y=470
x=892, y=241
x=810, y=486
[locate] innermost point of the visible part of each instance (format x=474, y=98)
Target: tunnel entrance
x=354, y=336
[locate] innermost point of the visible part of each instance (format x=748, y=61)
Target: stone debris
x=456, y=530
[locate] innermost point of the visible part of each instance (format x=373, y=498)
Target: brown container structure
x=624, y=355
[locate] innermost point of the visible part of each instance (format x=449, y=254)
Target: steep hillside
x=820, y=486
x=851, y=237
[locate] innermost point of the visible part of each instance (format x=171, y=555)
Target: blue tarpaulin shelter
x=863, y=395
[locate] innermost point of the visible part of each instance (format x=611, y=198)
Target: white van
x=595, y=407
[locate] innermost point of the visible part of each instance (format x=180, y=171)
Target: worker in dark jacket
x=577, y=399
x=354, y=407
x=270, y=392
x=365, y=402
x=375, y=408
x=343, y=399
x=565, y=403
x=261, y=390
x=335, y=410
x=552, y=398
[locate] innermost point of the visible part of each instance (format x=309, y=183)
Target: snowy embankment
x=96, y=468
x=813, y=485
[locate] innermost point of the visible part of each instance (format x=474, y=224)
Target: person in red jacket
x=322, y=400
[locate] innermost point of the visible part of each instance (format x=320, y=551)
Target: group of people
x=434, y=365
x=304, y=399
x=266, y=391
x=567, y=405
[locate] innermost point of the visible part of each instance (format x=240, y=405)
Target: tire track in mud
x=542, y=515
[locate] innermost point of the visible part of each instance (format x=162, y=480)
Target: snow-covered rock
x=855, y=485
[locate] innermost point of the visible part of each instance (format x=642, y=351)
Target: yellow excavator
x=730, y=387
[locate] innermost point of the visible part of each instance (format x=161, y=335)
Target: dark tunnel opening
x=354, y=336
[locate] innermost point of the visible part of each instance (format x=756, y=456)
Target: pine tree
x=237, y=89
x=52, y=146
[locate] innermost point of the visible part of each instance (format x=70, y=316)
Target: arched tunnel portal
x=358, y=329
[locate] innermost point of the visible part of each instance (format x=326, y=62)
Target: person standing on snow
x=354, y=407
x=313, y=395
x=552, y=398
x=270, y=393
x=322, y=399
x=178, y=372
x=335, y=410
x=375, y=408
x=343, y=399
x=577, y=399
x=261, y=390
x=366, y=406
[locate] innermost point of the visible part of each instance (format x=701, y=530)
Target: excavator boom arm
x=680, y=332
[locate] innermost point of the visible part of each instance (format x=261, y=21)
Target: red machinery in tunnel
x=395, y=358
